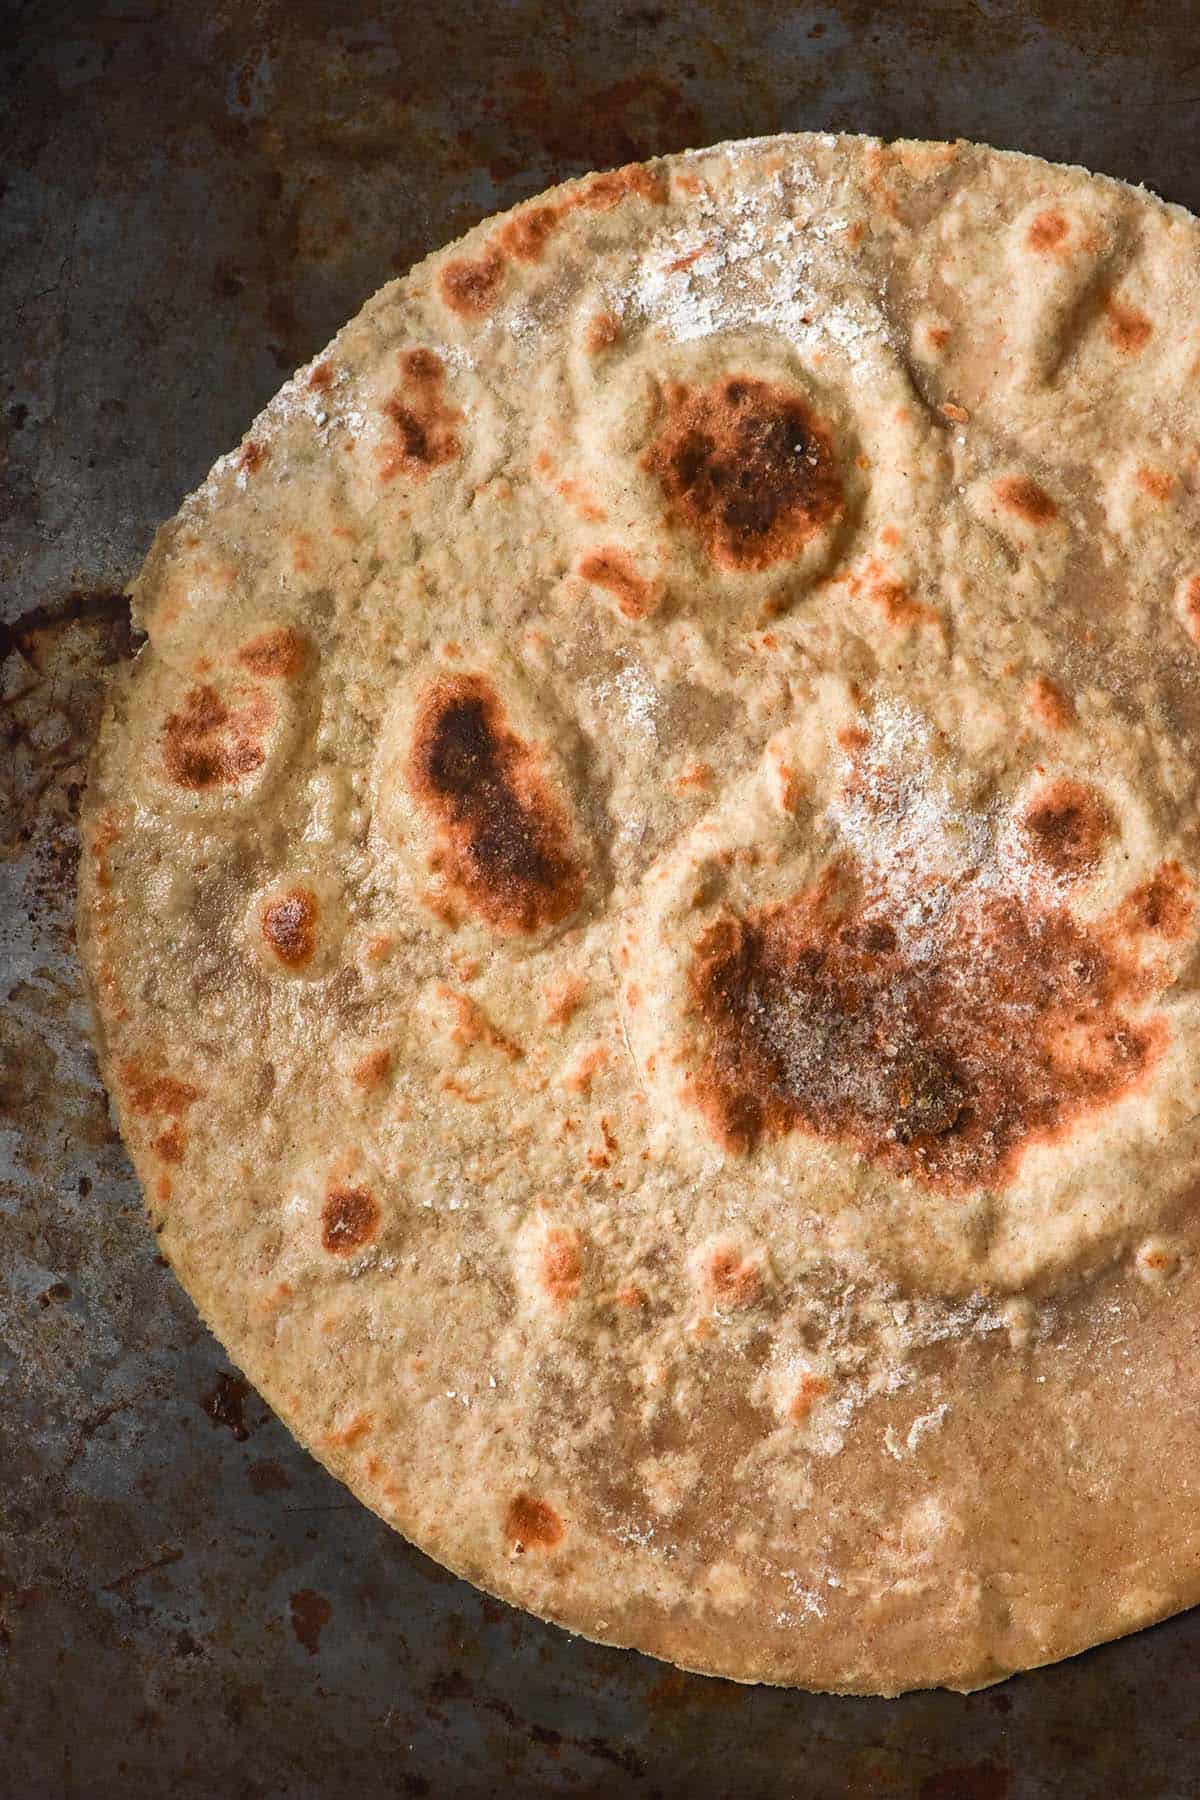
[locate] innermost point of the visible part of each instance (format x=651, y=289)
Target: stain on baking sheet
x=450, y=1686
x=225, y=1404
x=268, y=1477
x=310, y=1612
x=980, y=1781
x=52, y=659
x=621, y=122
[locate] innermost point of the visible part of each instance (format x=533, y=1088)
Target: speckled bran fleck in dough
x=764, y=1232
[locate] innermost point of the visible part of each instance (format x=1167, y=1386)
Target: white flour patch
x=923, y=1423
x=753, y=271
x=635, y=696
x=922, y=838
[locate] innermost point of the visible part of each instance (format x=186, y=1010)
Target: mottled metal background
x=192, y=198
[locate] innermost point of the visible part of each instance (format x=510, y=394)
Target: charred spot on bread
x=504, y=836
x=747, y=466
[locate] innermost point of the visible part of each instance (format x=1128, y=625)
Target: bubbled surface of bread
x=640, y=902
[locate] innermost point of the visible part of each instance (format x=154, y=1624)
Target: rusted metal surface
x=191, y=199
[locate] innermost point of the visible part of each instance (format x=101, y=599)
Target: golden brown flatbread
x=641, y=901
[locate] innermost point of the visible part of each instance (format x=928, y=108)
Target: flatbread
x=641, y=908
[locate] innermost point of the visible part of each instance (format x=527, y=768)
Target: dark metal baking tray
x=193, y=196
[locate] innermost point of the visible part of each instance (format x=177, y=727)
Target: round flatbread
x=641, y=902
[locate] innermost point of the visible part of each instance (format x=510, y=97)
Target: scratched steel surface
x=192, y=198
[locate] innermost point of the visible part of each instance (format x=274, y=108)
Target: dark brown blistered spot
x=898, y=606
x=605, y=191
x=373, y=1069
x=1046, y=232
x=1067, y=827
x=321, y=378
x=602, y=333
x=470, y=288
x=612, y=569
x=561, y=1266
x=748, y=467
x=424, y=368
x=282, y=653
x=1129, y=331
x=530, y=1524
x=252, y=457
x=349, y=1220
x=1023, y=496
x=942, y=1061
x=809, y=1390
x=733, y=1280
x=1051, y=707
x=504, y=840
x=148, y=1093
x=527, y=233
x=171, y=1144
x=208, y=744
x=1158, y=483
x=1162, y=906
x=289, y=926
x=424, y=424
